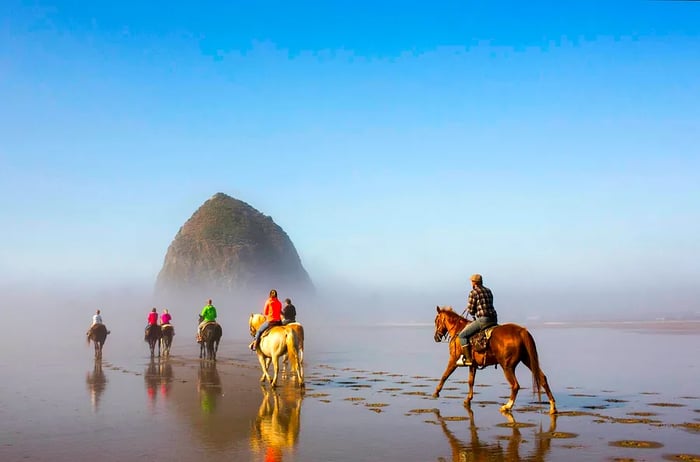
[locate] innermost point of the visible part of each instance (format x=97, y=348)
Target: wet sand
x=356, y=407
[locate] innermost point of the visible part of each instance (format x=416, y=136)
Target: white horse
x=275, y=343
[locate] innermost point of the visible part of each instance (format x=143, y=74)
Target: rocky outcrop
x=229, y=246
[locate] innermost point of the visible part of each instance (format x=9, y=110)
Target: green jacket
x=208, y=313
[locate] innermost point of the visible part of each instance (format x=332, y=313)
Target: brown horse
x=98, y=335
x=209, y=340
x=153, y=335
x=509, y=345
x=166, y=340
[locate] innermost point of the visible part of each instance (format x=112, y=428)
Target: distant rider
x=480, y=306
x=273, y=315
x=96, y=319
x=208, y=314
x=289, y=312
x=151, y=321
x=165, y=318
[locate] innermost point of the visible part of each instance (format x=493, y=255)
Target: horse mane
x=449, y=312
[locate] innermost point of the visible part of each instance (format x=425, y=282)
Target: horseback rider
x=165, y=318
x=152, y=321
x=96, y=319
x=273, y=314
x=480, y=306
x=208, y=314
x=289, y=312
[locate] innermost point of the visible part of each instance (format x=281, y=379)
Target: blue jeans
x=263, y=327
x=474, y=327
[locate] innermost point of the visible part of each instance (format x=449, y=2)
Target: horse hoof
x=436, y=395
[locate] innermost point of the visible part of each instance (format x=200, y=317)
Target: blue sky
x=552, y=147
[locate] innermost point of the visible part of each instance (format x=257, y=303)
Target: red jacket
x=152, y=318
x=273, y=309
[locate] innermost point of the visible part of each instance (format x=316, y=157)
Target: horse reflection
x=276, y=428
x=209, y=386
x=477, y=449
x=96, y=382
x=158, y=378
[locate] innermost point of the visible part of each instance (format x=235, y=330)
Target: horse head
x=441, y=328
x=254, y=322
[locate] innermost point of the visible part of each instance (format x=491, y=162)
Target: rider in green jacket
x=208, y=314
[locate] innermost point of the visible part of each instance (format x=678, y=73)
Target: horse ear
x=438, y=308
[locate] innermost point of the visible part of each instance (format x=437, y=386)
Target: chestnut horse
x=508, y=346
x=276, y=342
x=98, y=334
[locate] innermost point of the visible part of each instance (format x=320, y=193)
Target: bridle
x=441, y=333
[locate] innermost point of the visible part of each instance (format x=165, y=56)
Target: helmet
x=476, y=278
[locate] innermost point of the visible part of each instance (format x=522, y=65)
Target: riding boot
x=467, y=354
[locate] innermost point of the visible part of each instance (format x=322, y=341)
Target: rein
x=451, y=324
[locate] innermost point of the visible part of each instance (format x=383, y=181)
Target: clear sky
x=551, y=146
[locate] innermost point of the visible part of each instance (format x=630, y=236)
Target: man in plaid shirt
x=480, y=306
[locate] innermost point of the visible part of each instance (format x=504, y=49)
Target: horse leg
x=542, y=380
x=509, y=372
x=300, y=372
x=470, y=393
x=550, y=396
x=264, y=365
x=275, y=369
x=451, y=366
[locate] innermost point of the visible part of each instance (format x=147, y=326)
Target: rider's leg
x=471, y=329
x=263, y=327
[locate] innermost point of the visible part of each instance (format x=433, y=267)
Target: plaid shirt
x=480, y=303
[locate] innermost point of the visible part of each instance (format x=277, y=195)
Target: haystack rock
x=228, y=246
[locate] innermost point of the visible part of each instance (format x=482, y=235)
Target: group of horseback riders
x=152, y=320
x=479, y=306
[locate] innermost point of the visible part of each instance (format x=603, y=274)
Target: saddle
x=480, y=340
x=267, y=331
x=201, y=327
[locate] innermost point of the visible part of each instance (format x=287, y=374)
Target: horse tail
x=292, y=342
x=529, y=343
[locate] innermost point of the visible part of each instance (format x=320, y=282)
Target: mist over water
x=362, y=350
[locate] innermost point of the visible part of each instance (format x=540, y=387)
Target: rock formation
x=228, y=246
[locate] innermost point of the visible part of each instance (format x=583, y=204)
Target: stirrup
x=462, y=361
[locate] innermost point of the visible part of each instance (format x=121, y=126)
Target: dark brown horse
x=509, y=345
x=166, y=341
x=98, y=335
x=210, y=338
x=153, y=335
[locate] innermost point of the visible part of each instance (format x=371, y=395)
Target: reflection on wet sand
x=158, y=378
x=276, y=428
x=96, y=382
x=479, y=450
x=208, y=386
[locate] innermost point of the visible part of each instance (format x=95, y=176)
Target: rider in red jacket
x=273, y=315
